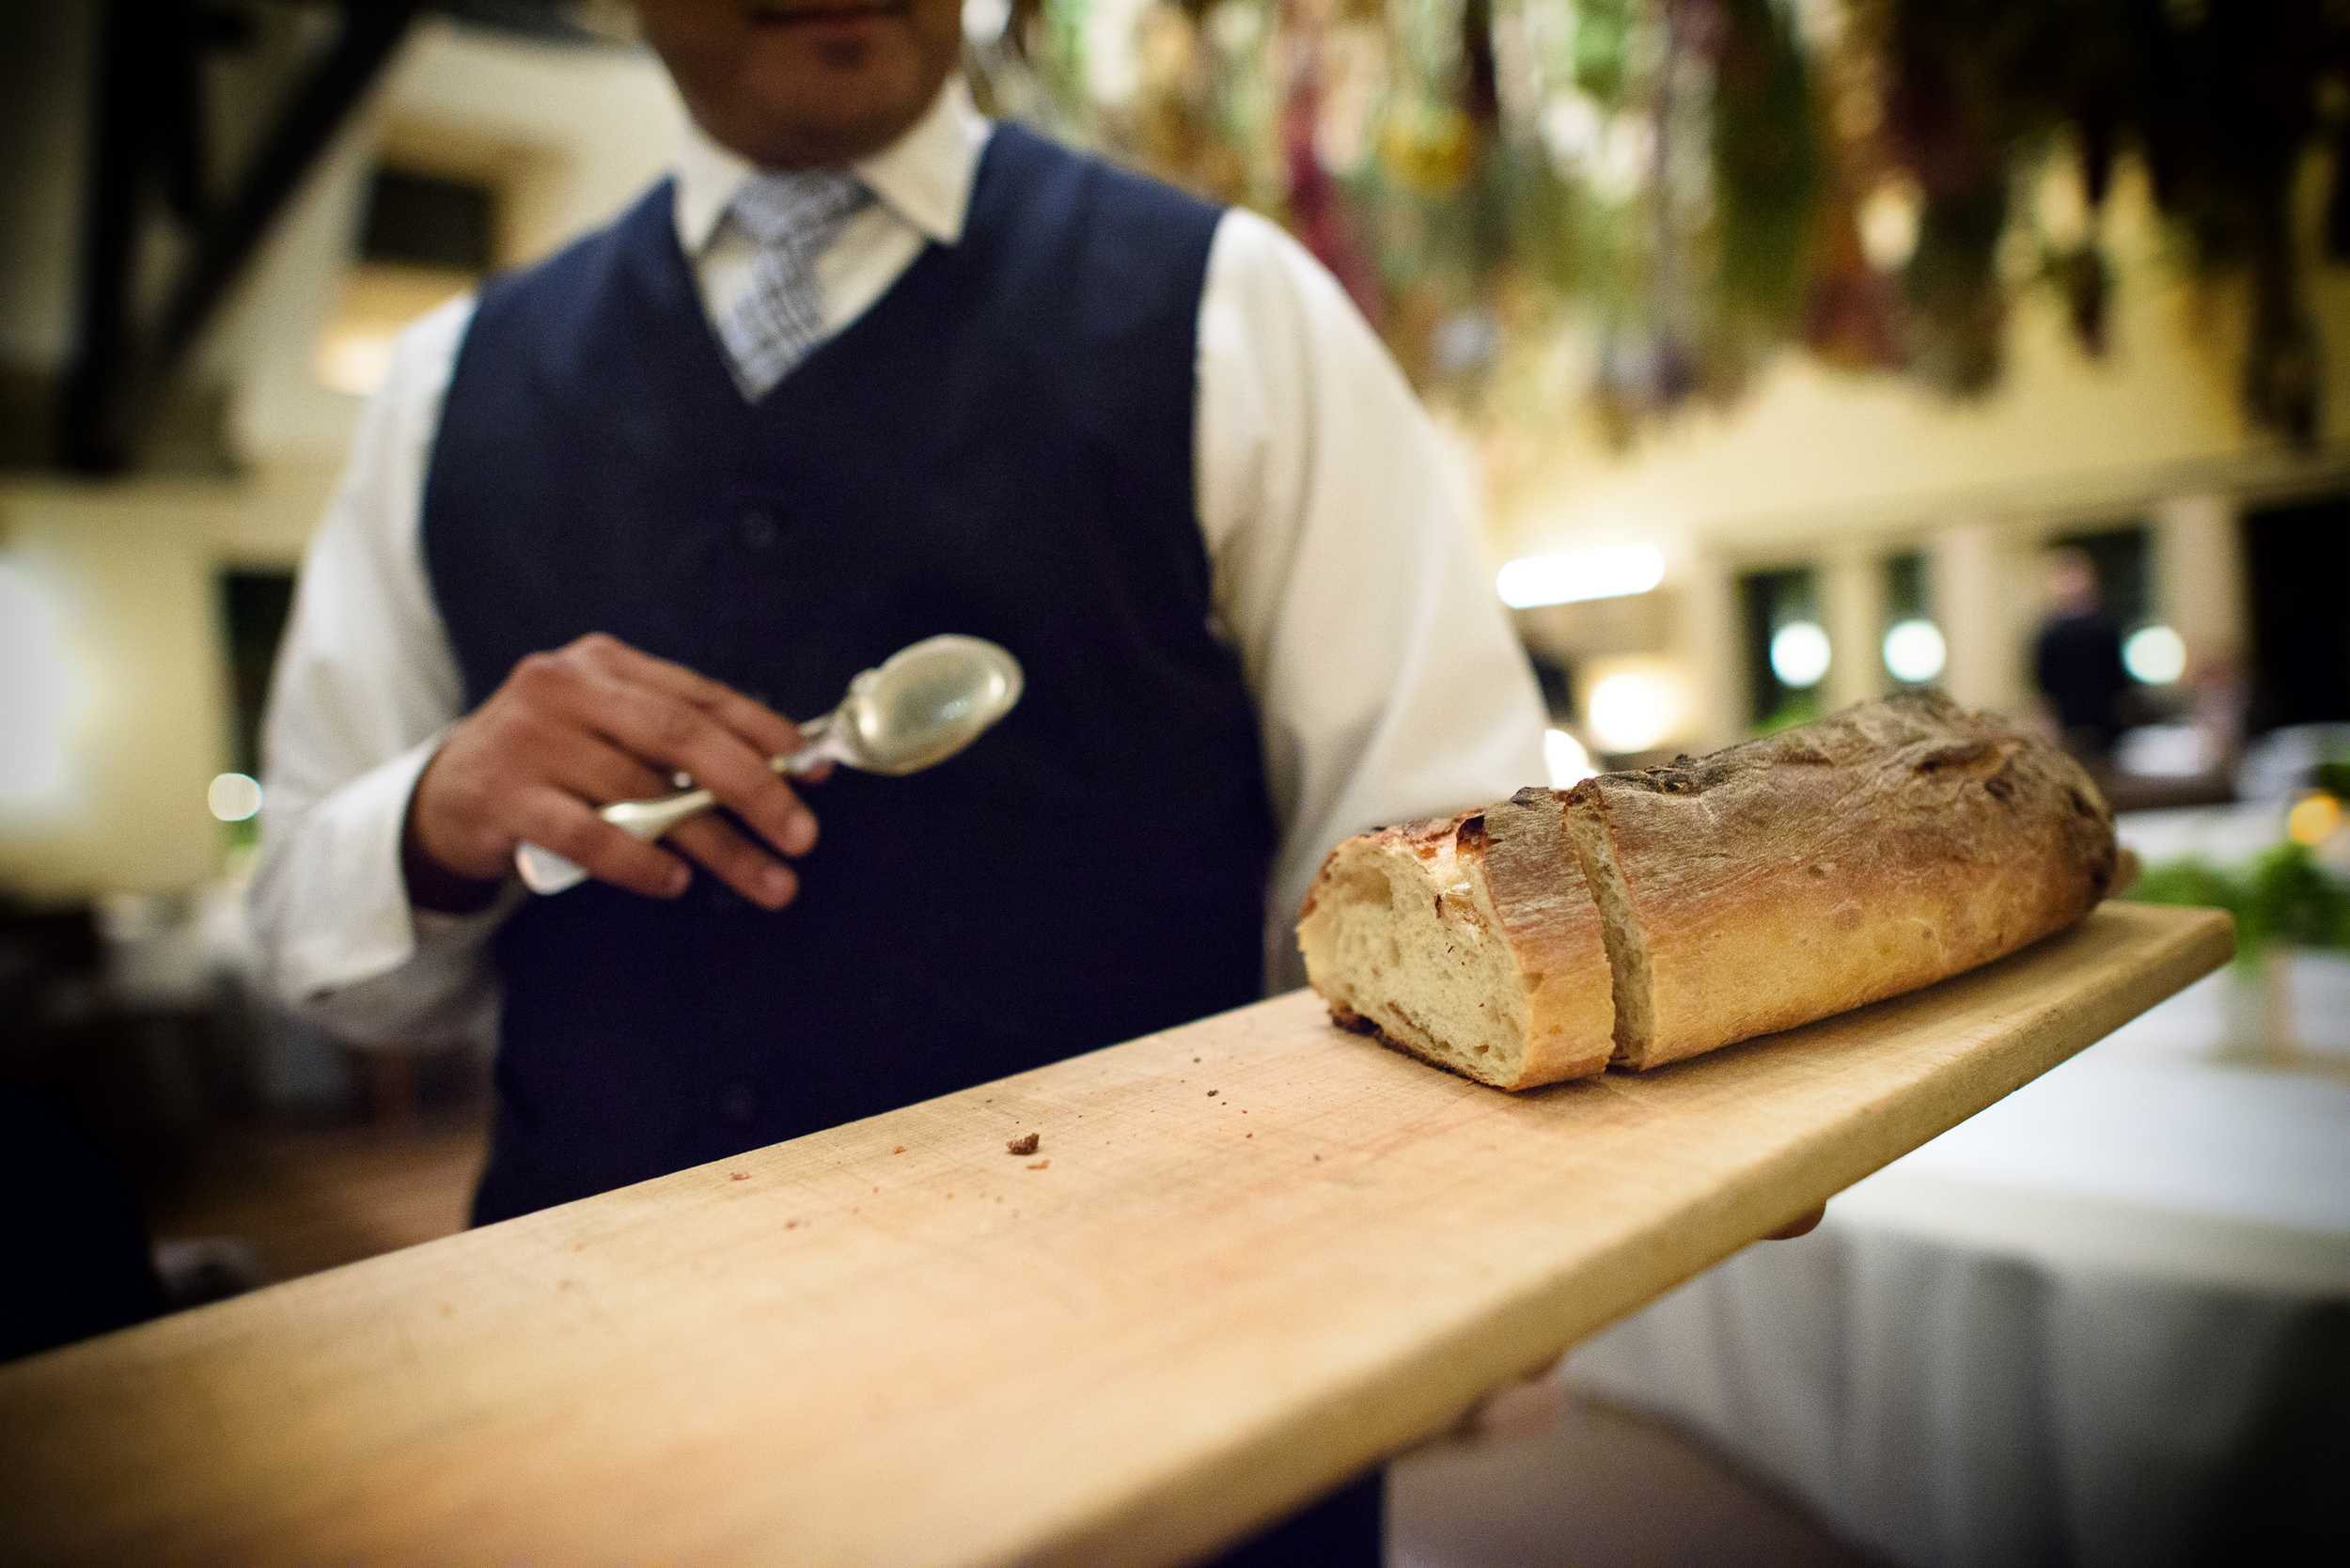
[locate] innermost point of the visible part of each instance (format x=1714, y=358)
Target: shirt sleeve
x=365, y=686
x=1388, y=682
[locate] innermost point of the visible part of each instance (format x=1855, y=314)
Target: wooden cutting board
x=1251, y=1257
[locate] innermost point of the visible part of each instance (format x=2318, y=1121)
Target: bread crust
x=1537, y=886
x=1881, y=849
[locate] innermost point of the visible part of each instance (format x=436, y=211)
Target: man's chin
x=847, y=100
x=795, y=83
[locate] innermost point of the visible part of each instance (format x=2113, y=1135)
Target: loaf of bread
x=1641, y=917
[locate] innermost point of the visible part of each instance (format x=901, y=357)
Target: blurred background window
x=1914, y=649
x=425, y=239
x=1787, y=648
x=427, y=220
x=2298, y=561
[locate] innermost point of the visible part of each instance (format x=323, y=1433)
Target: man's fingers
x=600, y=770
x=571, y=829
x=1524, y=1409
x=576, y=832
x=598, y=722
x=736, y=862
x=661, y=729
x=766, y=731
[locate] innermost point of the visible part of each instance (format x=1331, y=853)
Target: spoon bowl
x=923, y=704
x=913, y=709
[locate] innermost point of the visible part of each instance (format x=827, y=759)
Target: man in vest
x=867, y=369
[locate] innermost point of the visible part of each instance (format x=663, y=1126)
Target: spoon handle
x=545, y=871
x=820, y=744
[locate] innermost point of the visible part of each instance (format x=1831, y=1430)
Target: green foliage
x=1602, y=45
x=2223, y=104
x=1802, y=708
x=1683, y=183
x=1769, y=166
x=2284, y=896
x=2294, y=900
x=2194, y=883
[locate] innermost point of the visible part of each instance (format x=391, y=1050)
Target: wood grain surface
x=1250, y=1256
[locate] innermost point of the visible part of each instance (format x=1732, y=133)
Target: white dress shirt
x=1388, y=684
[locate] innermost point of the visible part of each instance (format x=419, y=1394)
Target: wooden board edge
x=1377, y=1421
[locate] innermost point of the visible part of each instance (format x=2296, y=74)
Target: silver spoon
x=923, y=705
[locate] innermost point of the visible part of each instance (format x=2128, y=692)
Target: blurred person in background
x=2077, y=663
x=867, y=369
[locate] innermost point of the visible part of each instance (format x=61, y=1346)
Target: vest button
x=736, y=1103
x=757, y=530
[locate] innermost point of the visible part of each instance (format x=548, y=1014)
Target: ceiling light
x=1913, y=651
x=1608, y=573
x=234, y=798
x=1564, y=759
x=2156, y=655
x=1800, y=654
x=1633, y=712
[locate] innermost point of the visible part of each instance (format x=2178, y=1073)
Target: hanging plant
x=1699, y=183
x=2223, y=104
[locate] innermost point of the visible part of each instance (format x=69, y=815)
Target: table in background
x=2105, y=1322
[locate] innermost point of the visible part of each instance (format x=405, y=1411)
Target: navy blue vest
x=1001, y=446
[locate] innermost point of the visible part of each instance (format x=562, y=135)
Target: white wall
x=129, y=573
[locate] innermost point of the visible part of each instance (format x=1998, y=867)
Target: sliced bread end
x=1402, y=939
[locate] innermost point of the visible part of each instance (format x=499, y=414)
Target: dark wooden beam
x=146, y=112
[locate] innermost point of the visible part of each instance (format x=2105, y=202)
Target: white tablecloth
x=2060, y=1332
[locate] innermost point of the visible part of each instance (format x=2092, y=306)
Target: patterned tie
x=794, y=217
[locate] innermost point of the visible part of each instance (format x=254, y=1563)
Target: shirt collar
x=924, y=176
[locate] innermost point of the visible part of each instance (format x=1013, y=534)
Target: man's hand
x=1534, y=1401
x=592, y=723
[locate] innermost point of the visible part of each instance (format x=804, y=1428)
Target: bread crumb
x=1025, y=1144
x=899, y=1150
x=1212, y=1095
x=738, y=1176
x=1040, y=1165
